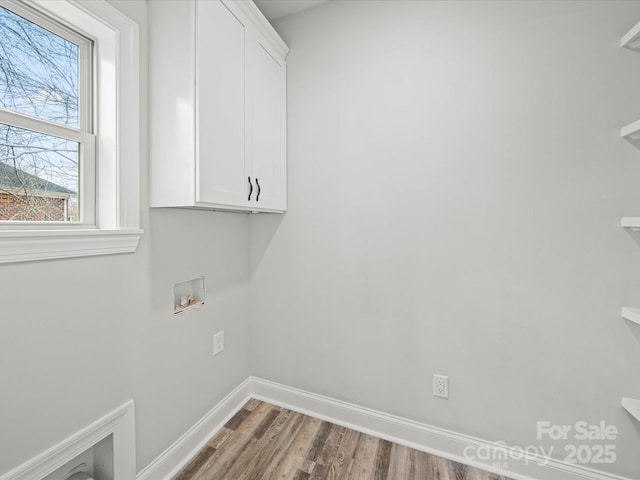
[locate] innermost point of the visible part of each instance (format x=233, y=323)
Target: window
x=46, y=137
x=69, y=146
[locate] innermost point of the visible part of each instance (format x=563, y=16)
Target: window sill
x=26, y=246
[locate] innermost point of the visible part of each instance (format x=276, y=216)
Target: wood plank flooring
x=266, y=442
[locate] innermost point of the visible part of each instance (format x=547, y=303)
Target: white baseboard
x=434, y=440
x=437, y=441
x=182, y=450
x=120, y=423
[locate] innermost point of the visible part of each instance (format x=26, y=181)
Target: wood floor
x=265, y=442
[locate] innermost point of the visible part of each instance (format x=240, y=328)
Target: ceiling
x=274, y=9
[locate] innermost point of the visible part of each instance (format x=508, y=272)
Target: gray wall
x=456, y=183
x=80, y=337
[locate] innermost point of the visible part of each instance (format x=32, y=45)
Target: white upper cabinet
x=218, y=107
x=268, y=126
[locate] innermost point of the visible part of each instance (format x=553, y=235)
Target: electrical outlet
x=440, y=386
x=218, y=342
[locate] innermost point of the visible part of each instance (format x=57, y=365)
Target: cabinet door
x=220, y=104
x=268, y=128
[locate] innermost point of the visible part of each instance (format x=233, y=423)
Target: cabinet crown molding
x=262, y=24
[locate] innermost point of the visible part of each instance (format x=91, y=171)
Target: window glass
x=39, y=77
x=38, y=177
x=39, y=71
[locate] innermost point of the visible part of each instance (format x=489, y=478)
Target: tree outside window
x=40, y=79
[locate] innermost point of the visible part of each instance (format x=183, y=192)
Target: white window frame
x=116, y=226
x=83, y=134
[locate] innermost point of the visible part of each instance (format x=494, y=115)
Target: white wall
x=79, y=337
x=456, y=182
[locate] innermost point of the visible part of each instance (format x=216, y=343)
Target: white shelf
x=631, y=39
x=632, y=223
x=631, y=131
x=632, y=406
x=631, y=314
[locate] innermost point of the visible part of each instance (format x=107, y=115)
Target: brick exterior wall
x=31, y=208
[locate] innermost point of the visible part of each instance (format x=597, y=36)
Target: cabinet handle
x=259, y=190
x=250, y=189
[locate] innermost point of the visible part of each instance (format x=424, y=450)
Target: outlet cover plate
x=218, y=342
x=440, y=386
